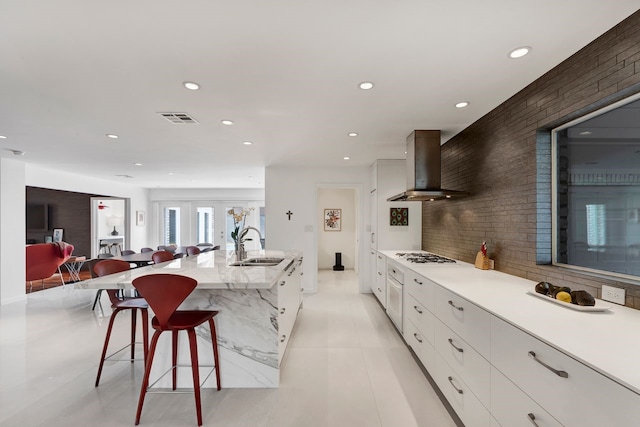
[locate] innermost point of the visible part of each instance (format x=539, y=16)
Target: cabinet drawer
x=466, y=404
x=467, y=320
x=474, y=369
x=513, y=408
x=420, y=287
x=421, y=318
x=381, y=263
x=421, y=347
x=575, y=394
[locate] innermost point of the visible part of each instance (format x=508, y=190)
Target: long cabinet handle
x=379, y=273
x=454, y=386
x=417, y=281
x=460, y=350
x=379, y=290
x=282, y=310
x=562, y=374
x=415, y=307
x=283, y=283
x=417, y=338
x=455, y=306
x=283, y=338
x=532, y=418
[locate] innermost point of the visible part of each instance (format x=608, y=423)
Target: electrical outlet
x=613, y=294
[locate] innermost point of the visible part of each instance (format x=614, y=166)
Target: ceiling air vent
x=179, y=118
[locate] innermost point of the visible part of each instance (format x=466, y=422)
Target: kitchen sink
x=258, y=262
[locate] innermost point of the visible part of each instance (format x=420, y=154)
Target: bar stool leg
x=214, y=341
x=134, y=316
x=193, y=347
x=106, y=344
x=174, y=357
x=147, y=372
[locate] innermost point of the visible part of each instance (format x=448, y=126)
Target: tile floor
x=345, y=366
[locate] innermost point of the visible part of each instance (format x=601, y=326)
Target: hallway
x=345, y=366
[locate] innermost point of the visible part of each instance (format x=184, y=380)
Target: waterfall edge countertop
x=212, y=270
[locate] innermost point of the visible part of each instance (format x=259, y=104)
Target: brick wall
x=504, y=160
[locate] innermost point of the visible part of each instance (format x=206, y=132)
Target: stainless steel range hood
x=423, y=169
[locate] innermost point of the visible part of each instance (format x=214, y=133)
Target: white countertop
x=605, y=341
x=210, y=269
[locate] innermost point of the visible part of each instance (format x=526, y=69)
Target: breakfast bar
x=257, y=302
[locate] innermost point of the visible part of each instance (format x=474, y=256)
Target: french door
x=190, y=223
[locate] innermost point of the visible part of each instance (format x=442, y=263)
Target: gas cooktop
x=424, y=258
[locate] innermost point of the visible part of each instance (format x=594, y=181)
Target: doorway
x=338, y=216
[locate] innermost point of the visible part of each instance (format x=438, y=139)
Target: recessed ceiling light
x=347, y=158
x=519, y=52
x=112, y=136
x=462, y=104
x=191, y=85
x=448, y=197
x=3, y=137
x=586, y=132
x=432, y=200
x=137, y=164
x=247, y=142
x=227, y=122
x=353, y=133
x=169, y=173
x=250, y=176
x=366, y=85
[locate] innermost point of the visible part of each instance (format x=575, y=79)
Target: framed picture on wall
x=140, y=218
x=332, y=219
x=57, y=234
x=399, y=216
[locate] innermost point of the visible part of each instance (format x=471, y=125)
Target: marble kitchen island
x=257, y=308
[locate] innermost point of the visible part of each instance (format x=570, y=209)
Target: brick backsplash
x=504, y=161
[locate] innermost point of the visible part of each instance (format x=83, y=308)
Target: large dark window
x=597, y=191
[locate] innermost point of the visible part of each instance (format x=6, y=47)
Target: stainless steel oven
x=395, y=281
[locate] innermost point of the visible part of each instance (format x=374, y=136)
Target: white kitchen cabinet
x=419, y=344
x=467, y=320
x=571, y=392
x=380, y=283
x=474, y=369
x=513, y=408
x=420, y=288
x=462, y=400
x=289, y=301
x=388, y=178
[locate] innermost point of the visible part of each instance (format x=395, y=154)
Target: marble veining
x=247, y=323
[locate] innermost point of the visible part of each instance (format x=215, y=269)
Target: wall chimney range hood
x=423, y=169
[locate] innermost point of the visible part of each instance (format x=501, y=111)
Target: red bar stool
x=118, y=304
x=165, y=293
x=193, y=250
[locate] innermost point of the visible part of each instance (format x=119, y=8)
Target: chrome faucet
x=242, y=254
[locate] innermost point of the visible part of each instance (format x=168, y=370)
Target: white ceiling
x=286, y=72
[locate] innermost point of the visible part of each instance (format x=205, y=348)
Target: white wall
x=12, y=231
x=343, y=241
x=171, y=194
x=296, y=190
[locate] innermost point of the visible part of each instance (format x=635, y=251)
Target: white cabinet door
x=474, y=369
x=380, y=290
x=465, y=319
x=574, y=394
x=513, y=408
x=464, y=402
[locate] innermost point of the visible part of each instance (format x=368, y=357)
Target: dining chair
x=193, y=250
x=143, y=250
x=161, y=256
x=165, y=293
x=118, y=304
x=128, y=252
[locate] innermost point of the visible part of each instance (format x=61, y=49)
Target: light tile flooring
x=345, y=366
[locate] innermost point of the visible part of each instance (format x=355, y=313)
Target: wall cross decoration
x=288, y=214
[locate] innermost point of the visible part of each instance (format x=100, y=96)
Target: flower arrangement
x=238, y=224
